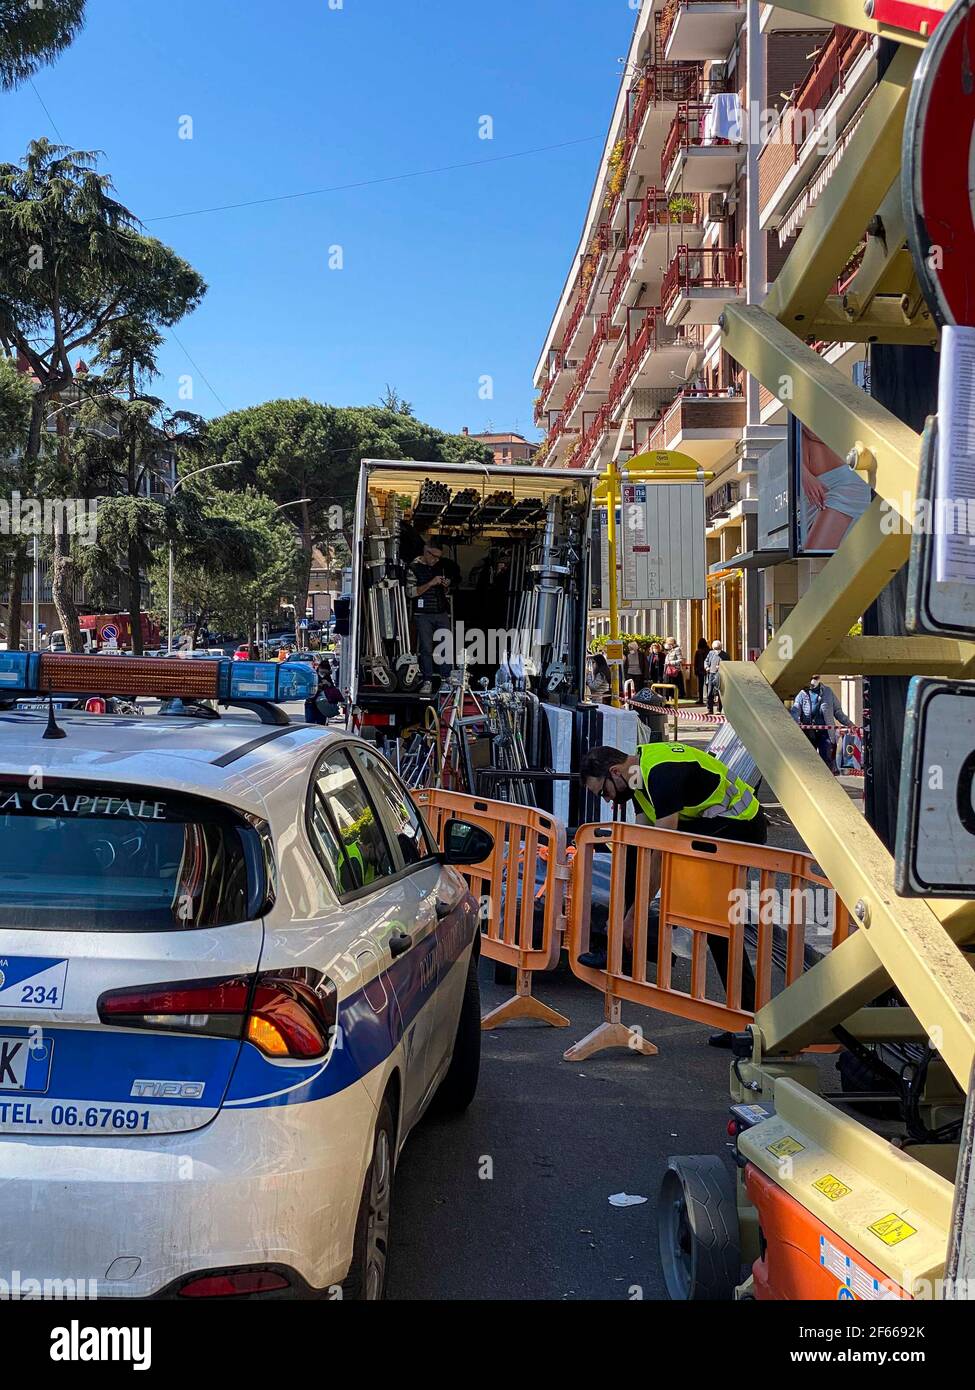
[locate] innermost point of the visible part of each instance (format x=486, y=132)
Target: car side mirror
x=465, y=843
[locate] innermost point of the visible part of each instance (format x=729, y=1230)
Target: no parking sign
x=938, y=159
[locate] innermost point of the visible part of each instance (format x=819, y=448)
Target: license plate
x=40, y=706
x=25, y=1063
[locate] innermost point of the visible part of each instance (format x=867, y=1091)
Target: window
x=345, y=830
x=92, y=857
x=401, y=816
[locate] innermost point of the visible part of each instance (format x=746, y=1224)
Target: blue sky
x=447, y=278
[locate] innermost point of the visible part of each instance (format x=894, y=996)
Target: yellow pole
x=613, y=487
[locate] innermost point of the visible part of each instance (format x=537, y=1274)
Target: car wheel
x=366, y=1280
x=459, y=1086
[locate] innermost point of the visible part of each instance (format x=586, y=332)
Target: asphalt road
x=558, y=1139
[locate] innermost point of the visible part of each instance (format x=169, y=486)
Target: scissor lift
x=829, y=1205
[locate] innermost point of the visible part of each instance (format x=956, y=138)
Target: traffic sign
x=109, y=633
x=936, y=168
x=936, y=822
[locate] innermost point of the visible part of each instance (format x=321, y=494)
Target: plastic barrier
x=522, y=887
x=712, y=888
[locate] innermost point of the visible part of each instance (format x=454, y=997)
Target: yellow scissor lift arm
x=910, y=943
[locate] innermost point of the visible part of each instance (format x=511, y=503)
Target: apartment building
x=507, y=448
x=710, y=162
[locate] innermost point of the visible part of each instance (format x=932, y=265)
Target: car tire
x=459, y=1086
x=366, y=1279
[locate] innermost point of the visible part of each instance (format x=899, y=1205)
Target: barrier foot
x=523, y=1005
x=612, y=1033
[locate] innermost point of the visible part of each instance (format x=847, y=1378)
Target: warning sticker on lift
x=855, y=1281
x=832, y=1187
x=892, y=1229
x=785, y=1148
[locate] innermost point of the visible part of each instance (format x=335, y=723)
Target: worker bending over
x=676, y=787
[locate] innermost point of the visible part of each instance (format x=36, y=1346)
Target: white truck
x=516, y=557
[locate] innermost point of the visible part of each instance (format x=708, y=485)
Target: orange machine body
x=803, y=1258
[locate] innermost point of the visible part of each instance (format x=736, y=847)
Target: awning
x=797, y=214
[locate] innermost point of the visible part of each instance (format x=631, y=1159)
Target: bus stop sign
x=938, y=159
x=936, y=823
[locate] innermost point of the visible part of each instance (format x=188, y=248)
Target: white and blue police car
x=235, y=970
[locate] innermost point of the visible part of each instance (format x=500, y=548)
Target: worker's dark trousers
x=431, y=630
x=753, y=832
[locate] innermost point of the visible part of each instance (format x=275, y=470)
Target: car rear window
x=90, y=856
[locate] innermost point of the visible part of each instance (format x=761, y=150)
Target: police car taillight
x=288, y=1013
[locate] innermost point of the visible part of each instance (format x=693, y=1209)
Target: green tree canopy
x=235, y=559
x=34, y=32
x=78, y=273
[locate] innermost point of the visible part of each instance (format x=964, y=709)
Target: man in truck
x=427, y=587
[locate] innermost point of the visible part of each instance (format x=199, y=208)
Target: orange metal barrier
x=709, y=887
x=522, y=920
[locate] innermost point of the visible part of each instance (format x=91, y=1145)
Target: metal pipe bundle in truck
x=516, y=543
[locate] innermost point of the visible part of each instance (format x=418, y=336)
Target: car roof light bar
x=32, y=673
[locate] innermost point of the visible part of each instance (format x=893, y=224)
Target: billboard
x=826, y=495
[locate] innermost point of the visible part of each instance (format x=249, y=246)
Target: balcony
x=704, y=146
x=656, y=225
x=700, y=282
x=707, y=424
x=656, y=355
x=593, y=371
x=821, y=106
x=594, y=436
x=547, y=396
x=651, y=102
x=698, y=29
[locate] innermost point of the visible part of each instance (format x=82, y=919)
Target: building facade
x=730, y=117
x=507, y=448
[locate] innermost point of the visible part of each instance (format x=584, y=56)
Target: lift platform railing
x=522, y=890
x=720, y=893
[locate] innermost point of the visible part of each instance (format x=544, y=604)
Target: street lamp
x=298, y=502
x=228, y=463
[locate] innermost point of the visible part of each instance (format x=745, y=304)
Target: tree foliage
x=33, y=34
x=235, y=559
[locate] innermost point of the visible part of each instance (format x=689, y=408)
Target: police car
x=235, y=970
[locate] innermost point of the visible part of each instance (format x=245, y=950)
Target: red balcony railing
x=687, y=128
x=604, y=330
x=827, y=75
x=640, y=345
x=655, y=209
x=705, y=267
x=590, y=438
x=558, y=362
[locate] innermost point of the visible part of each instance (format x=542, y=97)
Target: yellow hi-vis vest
x=732, y=798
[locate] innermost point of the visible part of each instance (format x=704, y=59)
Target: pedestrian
x=817, y=712
x=674, y=666
x=677, y=787
x=427, y=586
x=700, y=652
x=600, y=683
x=636, y=665
x=655, y=664
x=712, y=666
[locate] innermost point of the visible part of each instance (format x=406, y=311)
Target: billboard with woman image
x=828, y=496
